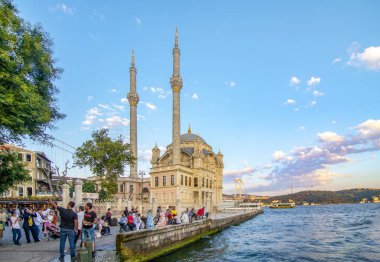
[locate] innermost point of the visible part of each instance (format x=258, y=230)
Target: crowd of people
x=133, y=221
x=83, y=223
x=32, y=222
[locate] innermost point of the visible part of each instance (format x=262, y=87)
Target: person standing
x=27, y=224
x=3, y=220
x=68, y=226
x=123, y=223
x=32, y=226
x=185, y=217
x=16, y=230
x=109, y=216
x=37, y=221
x=126, y=211
x=88, y=232
x=80, y=224
x=149, y=220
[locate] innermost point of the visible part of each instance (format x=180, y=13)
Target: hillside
x=329, y=197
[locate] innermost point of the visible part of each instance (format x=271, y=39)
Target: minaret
x=176, y=84
x=133, y=99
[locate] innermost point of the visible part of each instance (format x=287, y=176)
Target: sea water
x=349, y=232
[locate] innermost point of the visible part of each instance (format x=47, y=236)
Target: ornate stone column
x=176, y=84
x=133, y=99
x=78, y=185
x=65, y=195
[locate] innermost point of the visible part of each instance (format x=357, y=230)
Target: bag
x=30, y=221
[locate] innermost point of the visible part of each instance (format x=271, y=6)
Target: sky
x=289, y=91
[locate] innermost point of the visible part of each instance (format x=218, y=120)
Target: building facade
x=40, y=171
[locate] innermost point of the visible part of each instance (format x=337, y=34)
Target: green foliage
x=106, y=158
x=88, y=186
x=12, y=171
x=71, y=190
x=329, y=197
x=27, y=74
x=104, y=195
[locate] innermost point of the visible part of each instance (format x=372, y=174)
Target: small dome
x=189, y=137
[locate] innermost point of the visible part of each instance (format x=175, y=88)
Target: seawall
x=146, y=245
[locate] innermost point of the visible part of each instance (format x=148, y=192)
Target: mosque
x=189, y=174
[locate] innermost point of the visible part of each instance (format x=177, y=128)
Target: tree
x=12, y=170
x=88, y=186
x=27, y=73
x=106, y=158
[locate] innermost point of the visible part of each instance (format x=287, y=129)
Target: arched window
x=121, y=188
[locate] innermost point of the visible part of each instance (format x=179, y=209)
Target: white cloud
x=289, y=102
x=239, y=172
x=330, y=137
x=317, y=93
x=156, y=90
x=104, y=106
x=138, y=21
x=294, y=80
x=65, y=9
x=231, y=83
x=368, y=59
x=151, y=106
x=195, y=96
x=105, y=116
x=114, y=121
x=278, y=155
x=89, y=98
x=336, y=60
x=114, y=90
x=369, y=128
x=124, y=100
x=119, y=107
x=94, y=111
x=313, y=103
x=313, y=81
x=162, y=93
x=309, y=166
x=90, y=119
x=140, y=117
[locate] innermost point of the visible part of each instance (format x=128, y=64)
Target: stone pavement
x=48, y=251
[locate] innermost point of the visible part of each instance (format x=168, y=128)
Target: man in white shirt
x=38, y=222
x=80, y=224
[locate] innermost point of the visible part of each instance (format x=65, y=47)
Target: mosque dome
x=189, y=137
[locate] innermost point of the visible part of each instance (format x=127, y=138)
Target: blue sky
x=288, y=90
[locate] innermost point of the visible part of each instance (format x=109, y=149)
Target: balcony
x=44, y=193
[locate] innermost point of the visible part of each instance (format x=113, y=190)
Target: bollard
x=88, y=246
x=83, y=255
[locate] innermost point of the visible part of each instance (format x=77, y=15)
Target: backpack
x=30, y=221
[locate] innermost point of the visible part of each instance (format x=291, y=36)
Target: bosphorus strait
x=306, y=233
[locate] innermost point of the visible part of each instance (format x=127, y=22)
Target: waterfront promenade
x=48, y=251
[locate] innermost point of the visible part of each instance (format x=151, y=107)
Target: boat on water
x=277, y=204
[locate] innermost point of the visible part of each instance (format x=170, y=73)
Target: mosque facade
x=189, y=174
